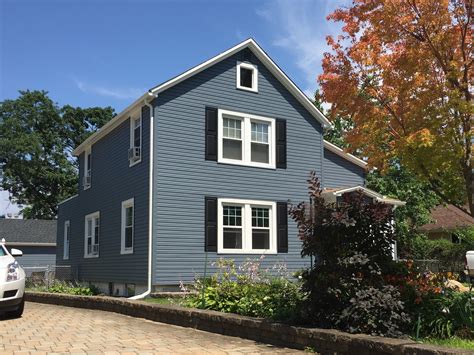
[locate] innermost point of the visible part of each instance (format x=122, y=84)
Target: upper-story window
x=135, y=151
x=247, y=76
x=87, y=168
x=246, y=139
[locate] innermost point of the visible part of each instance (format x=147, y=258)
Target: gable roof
x=256, y=50
x=368, y=192
x=28, y=231
x=447, y=217
x=353, y=159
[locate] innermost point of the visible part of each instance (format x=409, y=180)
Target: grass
x=166, y=301
x=453, y=342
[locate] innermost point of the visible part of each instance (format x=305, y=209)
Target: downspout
x=150, y=205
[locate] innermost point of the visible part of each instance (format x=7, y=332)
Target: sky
x=108, y=52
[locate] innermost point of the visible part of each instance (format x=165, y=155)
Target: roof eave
x=339, y=151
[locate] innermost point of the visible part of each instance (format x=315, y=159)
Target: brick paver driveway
x=56, y=329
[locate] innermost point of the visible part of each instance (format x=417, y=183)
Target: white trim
x=93, y=216
x=29, y=244
x=261, y=55
x=246, y=139
x=246, y=226
x=254, y=70
x=69, y=198
x=109, y=126
x=353, y=159
x=126, y=204
x=368, y=192
x=66, y=238
x=132, y=138
x=266, y=60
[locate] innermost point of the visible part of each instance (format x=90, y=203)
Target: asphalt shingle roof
x=28, y=230
x=448, y=217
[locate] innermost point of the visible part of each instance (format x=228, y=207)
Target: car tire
x=19, y=311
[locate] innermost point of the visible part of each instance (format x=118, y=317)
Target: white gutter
x=150, y=205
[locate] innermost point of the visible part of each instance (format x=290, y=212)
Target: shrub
x=249, y=291
x=352, y=244
x=70, y=288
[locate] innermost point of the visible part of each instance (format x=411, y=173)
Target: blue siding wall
x=113, y=181
x=182, y=177
x=340, y=172
x=36, y=256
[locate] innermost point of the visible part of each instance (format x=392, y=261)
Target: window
x=67, y=236
x=127, y=226
x=247, y=77
x=87, y=168
x=246, y=139
x=135, y=151
x=92, y=226
x=246, y=226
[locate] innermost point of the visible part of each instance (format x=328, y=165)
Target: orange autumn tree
x=402, y=70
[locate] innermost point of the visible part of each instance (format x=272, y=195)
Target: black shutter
x=211, y=224
x=211, y=133
x=282, y=227
x=281, y=144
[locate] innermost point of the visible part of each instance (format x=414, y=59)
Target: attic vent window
x=247, y=77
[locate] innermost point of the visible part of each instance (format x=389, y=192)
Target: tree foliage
x=352, y=245
x=402, y=71
x=36, y=140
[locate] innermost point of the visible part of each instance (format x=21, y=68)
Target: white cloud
x=114, y=92
x=301, y=28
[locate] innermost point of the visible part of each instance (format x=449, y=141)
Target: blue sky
x=108, y=52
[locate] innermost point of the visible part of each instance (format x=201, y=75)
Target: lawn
x=453, y=342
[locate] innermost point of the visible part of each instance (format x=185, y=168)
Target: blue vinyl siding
x=36, y=255
x=182, y=177
x=113, y=181
x=340, y=172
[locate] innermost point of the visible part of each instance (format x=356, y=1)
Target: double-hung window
x=135, y=151
x=67, y=237
x=246, y=226
x=91, y=235
x=87, y=168
x=128, y=217
x=246, y=139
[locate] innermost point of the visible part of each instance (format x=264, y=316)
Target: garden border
x=324, y=341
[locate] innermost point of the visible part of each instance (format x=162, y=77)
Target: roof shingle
x=28, y=230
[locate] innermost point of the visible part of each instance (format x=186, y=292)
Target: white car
x=12, y=282
x=470, y=263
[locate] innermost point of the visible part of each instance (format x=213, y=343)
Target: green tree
x=36, y=141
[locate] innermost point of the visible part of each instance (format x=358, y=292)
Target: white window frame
x=132, y=138
x=246, y=136
x=126, y=204
x=67, y=239
x=252, y=67
x=87, y=168
x=246, y=226
x=92, y=216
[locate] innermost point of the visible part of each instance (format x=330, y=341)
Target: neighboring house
x=200, y=167
x=35, y=238
x=445, y=221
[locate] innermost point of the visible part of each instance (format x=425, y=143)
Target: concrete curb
x=324, y=341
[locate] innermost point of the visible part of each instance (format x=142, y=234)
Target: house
x=35, y=238
x=446, y=219
x=199, y=167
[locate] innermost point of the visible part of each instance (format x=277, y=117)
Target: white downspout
x=150, y=205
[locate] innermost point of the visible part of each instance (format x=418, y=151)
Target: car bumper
x=11, y=294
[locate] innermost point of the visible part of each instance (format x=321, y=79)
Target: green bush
x=69, y=288
x=444, y=315
x=246, y=290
